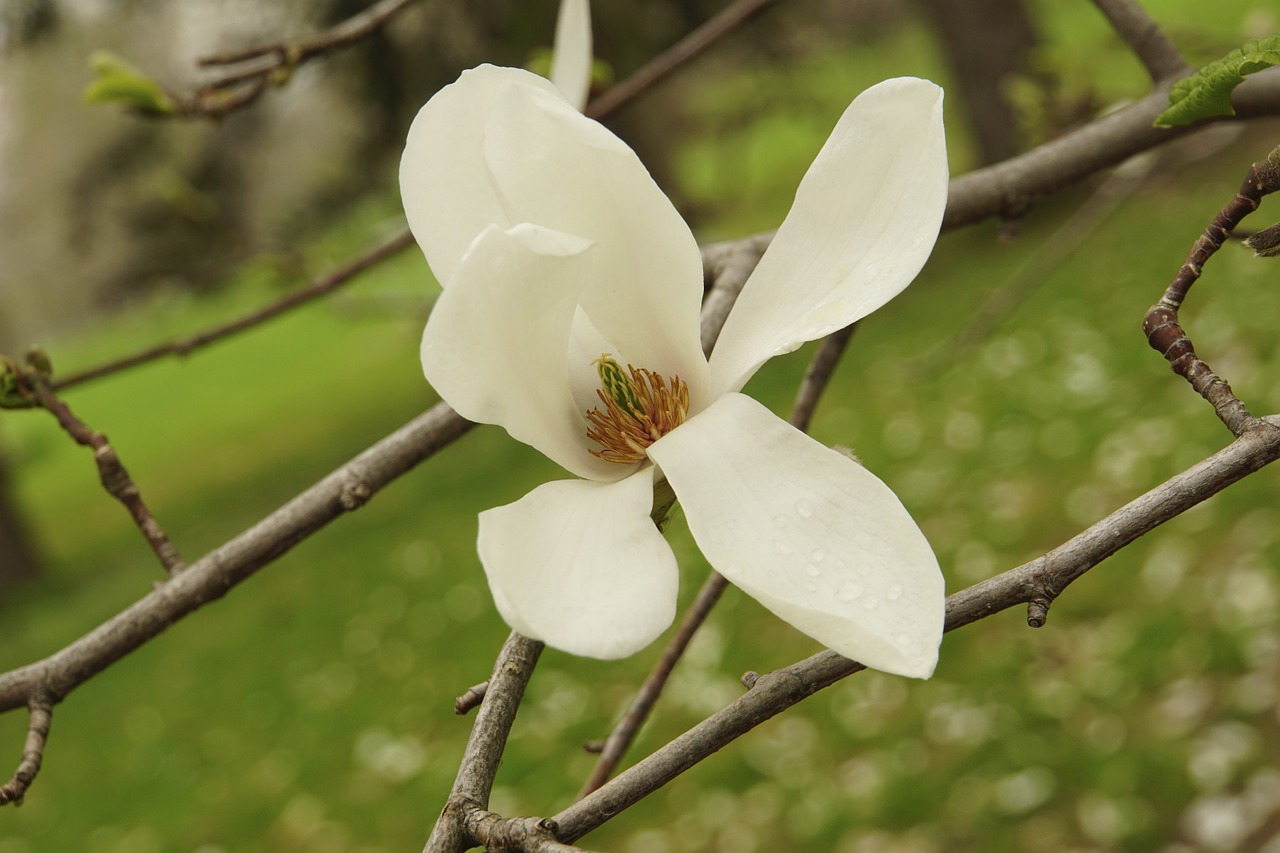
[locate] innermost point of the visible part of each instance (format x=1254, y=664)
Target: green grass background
x=311, y=709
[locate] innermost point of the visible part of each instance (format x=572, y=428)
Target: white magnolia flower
x=570, y=317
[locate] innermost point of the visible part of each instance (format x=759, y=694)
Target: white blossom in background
x=570, y=317
x=571, y=55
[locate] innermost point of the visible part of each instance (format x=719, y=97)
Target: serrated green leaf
x=119, y=82
x=1207, y=93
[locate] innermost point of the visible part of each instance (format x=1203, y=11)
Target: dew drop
x=804, y=509
x=780, y=521
x=894, y=593
x=811, y=586
x=813, y=570
x=781, y=547
x=870, y=602
x=818, y=555
x=849, y=591
x=903, y=640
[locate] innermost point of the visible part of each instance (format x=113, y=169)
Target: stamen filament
x=638, y=409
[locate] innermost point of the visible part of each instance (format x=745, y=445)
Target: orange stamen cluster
x=625, y=427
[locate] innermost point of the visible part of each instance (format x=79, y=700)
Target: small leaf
x=1208, y=92
x=11, y=393
x=119, y=82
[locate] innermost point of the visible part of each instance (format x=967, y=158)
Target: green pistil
x=617, y=385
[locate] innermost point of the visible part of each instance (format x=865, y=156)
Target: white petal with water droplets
x=810, y=534
x=864, y=221
x=580, y=566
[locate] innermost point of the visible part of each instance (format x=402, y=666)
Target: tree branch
x=464, y=818
x=214, y=574
x=1157, y=53
x=662, y=65
x=115, y=479
x=1166, y=336
x=1036, y=583
x=40, y=710
x=272, y=64
x=314, y=289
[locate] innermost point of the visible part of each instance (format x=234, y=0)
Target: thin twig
x=1157, y=53
x=818, y=375
x=470, y=698
x=40, y=710
x=1167, y=337
x=618, y=741
x=689, y=47
x=816, y=379
x=216, y=573
x=271, y=64
x=312, y=290
x=1036, y=582
x=1023, y=282
x=111, y=471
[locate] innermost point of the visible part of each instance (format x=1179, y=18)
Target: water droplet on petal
x=894, y=593
x=811, y=586
x=818, y=555
x=903, y=639
x=849, y=591
x=804, y=509
x=870, y=602
x=781, y=547
x=779, y=521
x=813, y=570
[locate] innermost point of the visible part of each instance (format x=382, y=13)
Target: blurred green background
x=312, y=708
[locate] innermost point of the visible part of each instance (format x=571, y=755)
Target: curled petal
x=495, y=346
x=448, y=193
x=556, y=168
x=571, y=59
x=864, y=221
x=580, y=566
x=810, y=534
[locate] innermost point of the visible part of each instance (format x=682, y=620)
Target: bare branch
x=111, y=471
x=458, y=823
x=1157, y=53
x=214, y=574
x=314, y=289
x=1038, y=582
x=1166, y=336
x=271, y=64
x=815, y=381
x=688, y=48
x=41, y=715
x=818, y=375
x=470, y=698
x=618, y=741
x=1009, y=189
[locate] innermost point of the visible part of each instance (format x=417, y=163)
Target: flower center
x=639, y=408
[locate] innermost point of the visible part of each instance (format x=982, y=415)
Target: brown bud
x=1265, y=243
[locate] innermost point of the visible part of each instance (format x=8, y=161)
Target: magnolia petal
x=495, y=345
x=448, y=193
x=555, y=167
x=571, y=58
x=581, y=566
x=807, y=532
x=864, y=221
